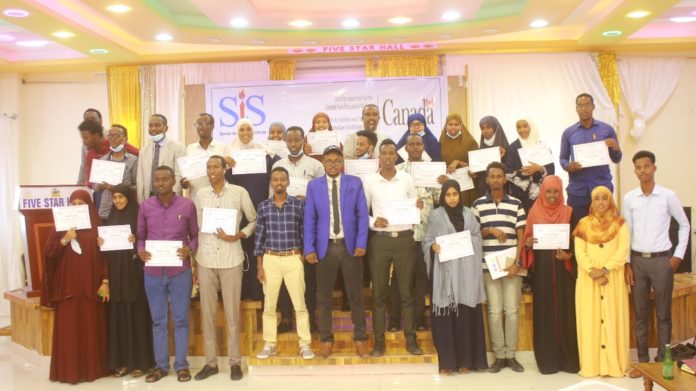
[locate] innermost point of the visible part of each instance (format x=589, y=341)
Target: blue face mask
x=157, y=138
x=118, y=149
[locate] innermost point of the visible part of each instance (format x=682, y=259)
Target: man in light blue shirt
x=648, y=211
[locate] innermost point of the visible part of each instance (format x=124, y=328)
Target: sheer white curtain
x=646, y=84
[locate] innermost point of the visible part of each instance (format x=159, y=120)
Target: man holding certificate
x=583, y=179
x=117, y=153
x=219, y=260
x=167, y=235
x=205, y=123
x=392, y=197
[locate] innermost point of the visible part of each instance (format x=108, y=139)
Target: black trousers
x=419, y=284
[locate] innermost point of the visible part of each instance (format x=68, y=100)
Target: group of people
x=287, y=251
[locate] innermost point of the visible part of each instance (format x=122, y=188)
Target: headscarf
x=237, y=144
x=499, y=139
x=85, y=197
x=465, y=140
x=533, y=137
x=454, y=213
x=277, y=123
x=320, y=115
x=543, y=212
x=417, y=117
x=599, y=228
x=129, y=214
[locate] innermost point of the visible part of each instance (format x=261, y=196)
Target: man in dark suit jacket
x=336, y=224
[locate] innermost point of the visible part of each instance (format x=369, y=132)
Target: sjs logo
x=241, y=106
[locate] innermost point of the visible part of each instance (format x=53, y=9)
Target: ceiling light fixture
x=356, y=41
x=6, y=38
x=15, y=13
x=683, y=19
x=350, y=23
x=211, y=39
x=539, y=23
x=119, y=8
x=637, y=14
x=445, y=36
x=164, y=37
x=239, y=22
x=32, y=44
x=99, y=51
x=63, y=34
x=300, y=23
x=257, y=42
x=492, y=30
x=400, y=20
x=612, y=33
x=309, y=42
x=451, y=15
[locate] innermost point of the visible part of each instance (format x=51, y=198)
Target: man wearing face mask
x=161, y=151
x=118, y=136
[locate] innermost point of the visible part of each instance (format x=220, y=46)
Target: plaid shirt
x=279, y=229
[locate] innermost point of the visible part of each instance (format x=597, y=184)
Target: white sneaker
x=306, y=352
x=267, y=351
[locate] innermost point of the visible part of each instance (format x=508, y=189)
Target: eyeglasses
x=416, y=124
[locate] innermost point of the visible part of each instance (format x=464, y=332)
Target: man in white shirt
x=219, y=259
x=370, y=119
x=648, y=211
x=161, y=151
x=205, y=123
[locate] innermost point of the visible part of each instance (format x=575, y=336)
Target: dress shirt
x=507, y=216
x=214, y=148
x=648, y=219
x=213, y=252
x=176, y=221
x=329, y=183
x=379, y=191
x=582, y=182
x=129, y=175
x=305, y=167
x=279, y=229
x=351, y=138
x=170, y=150
x=429, y=195
x=91, y=154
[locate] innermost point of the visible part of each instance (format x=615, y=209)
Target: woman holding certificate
x=555, y=337
x=602, y=244
x=252, y=172
x=320, y=122
x=130, y=327
x=457, y=287
x=492, y=135
x=76, y=284
x=455, y=144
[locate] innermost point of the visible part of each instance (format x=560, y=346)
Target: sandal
x=120, y=372
x=464, y=370
x=183, y=375
x=155, y=375
x=137, y=373
x=446, y=372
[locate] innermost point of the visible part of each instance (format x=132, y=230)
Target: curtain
x=147, y=98
x=282, y=69
x=609, y=73
x=647, y=83
x=123, y=84
x=395, y=66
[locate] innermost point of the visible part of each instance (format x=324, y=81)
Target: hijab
x=277, y=123
x=533, y=137
x=320, y=115
x=237, y=144
x=598, y=228
x=417, y=117
x=85, y=197
x=129, y=214
x=499, y=139
x=454, y=213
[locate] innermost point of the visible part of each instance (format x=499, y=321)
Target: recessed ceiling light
x=451, y=15
x=350, y=23
x=6, y=38
x=637, y=14
x=445, y=36
x=491, y=31
x=257, y=42
x=164, y=37
x=539, y=23
x=119, y=8
x=211, y=39
x=309, y=42
x=300, y=23
x=612, y=33
x=239, y=22
x=32, y=44
x=99, y=51
x=683, y=19
x=400, y=20
x=63, y=34
x=15, y=13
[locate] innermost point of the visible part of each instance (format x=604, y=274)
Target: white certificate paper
x=425, y=174
x=402, y=212
x=499, y=260
x=163, y=252
x=249, y=161
x=115, y=237
x=591, y=154
x=404, y=155
x=456, y=245
x=107, y=171
x=551, y=236
x=68, y=217
x=193, y=166
x=461, y=175
x=538, y=153
x=319, y=141
x=361, y=167
x=280, y=148
x=297, y=186
x=214, y=218
x=481, y=158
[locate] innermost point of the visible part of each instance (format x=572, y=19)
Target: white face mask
x=455, y=136
x=117, y=149
x=298, y=154
x=157, y=138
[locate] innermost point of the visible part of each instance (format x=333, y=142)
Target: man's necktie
x=155, y=164
x=334, y=206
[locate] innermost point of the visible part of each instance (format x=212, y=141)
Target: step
x=287, y=343
x=343, y=365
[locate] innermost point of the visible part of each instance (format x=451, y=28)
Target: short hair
x=94, y=111
x=643, y=154
x=370, y=136
x=369, y=105
x=123, y=129
x=164, y=119
x=223, y=162
x=206, y=115
x=497, y=165
x=281, y=169
x=93, y=127
x=168, y=169
x=413, y=135
x=386, y=141
x=295, y=129
x=584, y=95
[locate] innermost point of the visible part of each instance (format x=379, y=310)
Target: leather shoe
x=514, y=365
x=634, y=374
x=205, y=372
x=378, y=350
x=361, y=349
x=497, y=365
x=412, y=346
x=236, y=372
x=325, y=349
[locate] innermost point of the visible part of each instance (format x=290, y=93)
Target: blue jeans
x=161, y=291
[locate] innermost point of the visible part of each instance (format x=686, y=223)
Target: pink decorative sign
x=364, y=48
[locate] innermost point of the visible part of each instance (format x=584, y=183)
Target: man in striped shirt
x=502, y=222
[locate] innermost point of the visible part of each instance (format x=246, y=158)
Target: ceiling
x=224, y=30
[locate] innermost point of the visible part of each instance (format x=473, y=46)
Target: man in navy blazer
x=336, y=224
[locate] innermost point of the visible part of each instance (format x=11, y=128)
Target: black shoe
x=206, y=372
x=497, y=365
x=379, y=349
x=412, y=346
x=514, y=365
x=394, y=325
x=284, y=326
x=236, y=372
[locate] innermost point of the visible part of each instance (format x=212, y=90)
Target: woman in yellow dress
x=602, y=244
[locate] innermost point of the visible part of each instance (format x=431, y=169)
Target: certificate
x=361, y=167
x=591, y=154
x=481, y=158
x=115, y=237
x=280, y=148
x=456, y=245
x=163, y=252
x=551, y=236
x=401, y=212
x=404, y=155
x=193, y=166
x=319, y=141
x=461, y=175
x=214, y=218
x=538, y=153
x=425, y=174
x=107, y=171
x=249, y=161
x=68, y=217
x=297, y=186
x=499, y=260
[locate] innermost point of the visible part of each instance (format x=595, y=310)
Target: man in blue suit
x=336, y=223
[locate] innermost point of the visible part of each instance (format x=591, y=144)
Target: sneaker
x=306, y=352
x=267, y=351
